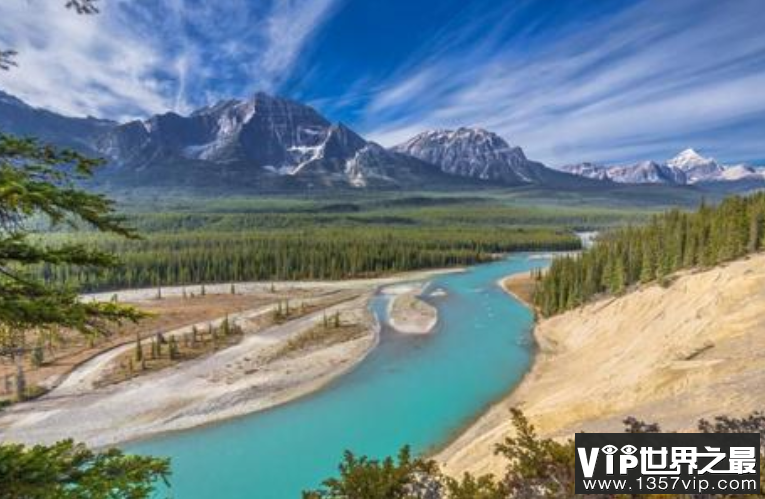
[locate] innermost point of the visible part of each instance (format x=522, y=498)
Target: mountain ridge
x=268, y=142
x=688, y=167
x=478, y=153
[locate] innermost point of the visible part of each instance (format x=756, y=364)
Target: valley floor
x=269, y=366
x=695, y=349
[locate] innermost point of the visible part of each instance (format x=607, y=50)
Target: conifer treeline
x=672, y=241
x=204, y=257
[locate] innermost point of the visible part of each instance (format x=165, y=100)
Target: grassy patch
x=320, y=335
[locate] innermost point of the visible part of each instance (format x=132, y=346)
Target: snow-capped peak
x=688, y=159
x=688, y=167
x=696, y=167
x=471, y=152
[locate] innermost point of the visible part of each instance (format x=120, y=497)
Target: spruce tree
x=39, y=184
x=138, y=348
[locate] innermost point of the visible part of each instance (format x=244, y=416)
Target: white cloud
x=140, y=58
x=657, y=73
x=80, y=65
x=288, y=25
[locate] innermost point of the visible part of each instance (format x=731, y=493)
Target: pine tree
x=40, y=184
x=138, y=348
x=194, y=336
x=173, y=348
x=755, y=236
x=38, y=355
x=670, y=242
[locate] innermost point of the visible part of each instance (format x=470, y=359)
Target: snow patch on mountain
x=696, y=167
x=587, y=169
x=686, y=168
x=471, y=152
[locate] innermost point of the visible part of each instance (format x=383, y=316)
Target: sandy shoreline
x=232, y=382
x=520, y=286
x=229, y=383
x=700, y=341
x=407, y=312
x=256, y=287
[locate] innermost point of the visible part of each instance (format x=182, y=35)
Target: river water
x=416, y=390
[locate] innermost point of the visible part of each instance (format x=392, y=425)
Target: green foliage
x=196, y=257
x=373, y=479
x=38, y=355
x=138, y=348
x=672, y=241
x=537, y=468
x=39, y=183
x=71, y=471
x=469, y=487
x=198, y=240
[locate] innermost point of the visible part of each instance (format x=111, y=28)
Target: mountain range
x=687, y=168
x=268, y=143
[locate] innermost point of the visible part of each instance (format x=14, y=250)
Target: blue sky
x=568, y=80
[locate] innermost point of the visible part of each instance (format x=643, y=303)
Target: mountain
x=268, y=143
x=695, y=167
x=588, y=170
x=19, y=118
x=260, y=143
x=270, y=132
x=271, y=143
x=646, y=172
x=687, y=168
x=479, y=154
x=740, y=172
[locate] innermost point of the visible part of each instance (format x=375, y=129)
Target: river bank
x=695, y=349
x=268, y=367
x=412, y=389
x=519, y=286
x=232, y=382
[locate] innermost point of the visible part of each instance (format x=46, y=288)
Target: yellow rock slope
x=671, y=355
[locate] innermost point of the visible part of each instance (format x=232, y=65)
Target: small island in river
x=408, y=312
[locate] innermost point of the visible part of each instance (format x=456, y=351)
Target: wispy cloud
x=643, y=82
x=598, y=81
x=289, y=24
x=77, y=64
x=137, y=58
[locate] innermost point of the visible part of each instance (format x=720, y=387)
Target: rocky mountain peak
x=696, y=167
x=688, y=158
x=471, y=152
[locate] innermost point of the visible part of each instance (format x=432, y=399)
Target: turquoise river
x=416, y=390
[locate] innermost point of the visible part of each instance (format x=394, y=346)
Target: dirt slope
x=673, y=355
